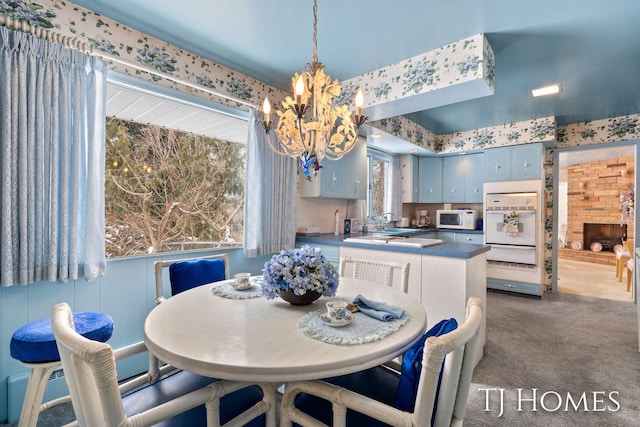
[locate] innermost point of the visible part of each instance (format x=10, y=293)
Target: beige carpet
x=593, y=280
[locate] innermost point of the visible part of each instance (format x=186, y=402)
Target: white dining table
x=259, y=340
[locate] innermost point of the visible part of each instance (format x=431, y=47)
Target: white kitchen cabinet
x=447, y=284
x=410, y=180
x=340, y=179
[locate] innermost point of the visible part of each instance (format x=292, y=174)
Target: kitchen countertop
x=451, y=250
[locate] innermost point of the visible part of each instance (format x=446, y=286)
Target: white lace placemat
x=363, y=329
x=225, y=290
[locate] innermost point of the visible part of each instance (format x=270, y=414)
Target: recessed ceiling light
x=546, y=90
x=375, y=135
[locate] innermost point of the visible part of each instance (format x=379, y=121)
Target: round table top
x=258, y=339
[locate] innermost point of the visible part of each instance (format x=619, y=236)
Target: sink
x=376, y=238
x=416, y=242
x=396, y=231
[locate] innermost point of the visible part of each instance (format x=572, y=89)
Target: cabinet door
x=332, y=177
x=410, y=179
x=355, y=172
x=453, y=178
x=473, y=238
x=497, y=164
x=449, y=237
x=526, y=161
x=474, y=179
x=430, y=173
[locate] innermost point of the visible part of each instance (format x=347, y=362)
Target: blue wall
x=126, y=292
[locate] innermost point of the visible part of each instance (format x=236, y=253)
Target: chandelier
x=329, y=131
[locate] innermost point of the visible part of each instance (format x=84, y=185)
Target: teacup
x=337, y=310
x=241, y=280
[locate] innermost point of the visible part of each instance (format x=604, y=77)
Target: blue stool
x=35, y=347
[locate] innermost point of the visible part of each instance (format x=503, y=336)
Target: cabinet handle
x=509, y=285
x=496, y=167
x=453, y=190
x=334, y=178
x=525, y=165
x=430, y=190
x=475, y=190
x=469, y=238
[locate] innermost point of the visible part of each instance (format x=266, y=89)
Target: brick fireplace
x=593, y=208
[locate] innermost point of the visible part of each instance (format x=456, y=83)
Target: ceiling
x=590, y=47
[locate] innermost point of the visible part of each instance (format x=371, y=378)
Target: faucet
x=382, y=222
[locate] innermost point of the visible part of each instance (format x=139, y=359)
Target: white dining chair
x=379, y=272
x=176, y=400
x=190, y=272
x=370, y=398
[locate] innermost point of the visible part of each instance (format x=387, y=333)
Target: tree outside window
x=168, y=190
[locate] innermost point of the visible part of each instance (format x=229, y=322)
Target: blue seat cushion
x=379, y=383
x=185, y=275
x=412, y=366
x=35, y=343
x=185, y=382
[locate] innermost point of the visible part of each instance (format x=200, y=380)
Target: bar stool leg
x=40, y=373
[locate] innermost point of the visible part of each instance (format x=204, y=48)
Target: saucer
x=337, y=322
x=243, y=287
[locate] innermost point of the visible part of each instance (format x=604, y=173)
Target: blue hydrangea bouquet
x=299, y=270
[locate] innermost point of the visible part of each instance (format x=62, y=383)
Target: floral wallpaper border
x=456, y=64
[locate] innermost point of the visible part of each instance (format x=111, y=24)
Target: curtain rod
x=74, y=43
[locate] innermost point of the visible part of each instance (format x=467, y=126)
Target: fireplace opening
x=607, y=234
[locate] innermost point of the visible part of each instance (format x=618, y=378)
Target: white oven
x=511, y=227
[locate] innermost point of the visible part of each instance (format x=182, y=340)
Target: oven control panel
x=511, y=201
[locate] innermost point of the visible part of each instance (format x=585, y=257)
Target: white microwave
x=461, y=219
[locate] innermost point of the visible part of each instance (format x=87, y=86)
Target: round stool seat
x=35, y=343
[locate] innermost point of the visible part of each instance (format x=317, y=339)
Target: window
x=378, y=170
x=171, y=185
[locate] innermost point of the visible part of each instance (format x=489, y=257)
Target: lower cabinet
x=330, y=252
x=472, y=238
x=514, y=286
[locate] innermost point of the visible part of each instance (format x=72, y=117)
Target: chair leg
x=36, y=386
x=629, y=276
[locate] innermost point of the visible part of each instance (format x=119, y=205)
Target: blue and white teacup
x=242, y=280
x=337, y=310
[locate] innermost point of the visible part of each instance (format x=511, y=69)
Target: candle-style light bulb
x=299, y=89
x=266, y=108
x=359, y=101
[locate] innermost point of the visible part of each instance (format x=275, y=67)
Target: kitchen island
x=443, y=276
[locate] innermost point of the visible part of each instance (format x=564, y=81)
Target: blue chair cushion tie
x=185, y=275
x=35, y=343
x=412, y=366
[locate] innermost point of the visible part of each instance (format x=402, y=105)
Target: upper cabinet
x=513, y=163
x=341, y=179
x=410, y=180
x=474, y=179
x=430, y=177
x=463, y=178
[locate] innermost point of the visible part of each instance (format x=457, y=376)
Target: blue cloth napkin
x=378, y=310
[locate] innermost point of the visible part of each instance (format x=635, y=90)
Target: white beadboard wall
x=321, y=212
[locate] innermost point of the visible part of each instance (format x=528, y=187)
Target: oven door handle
x=500, y=245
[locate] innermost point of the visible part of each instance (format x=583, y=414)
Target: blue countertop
x=451, y=250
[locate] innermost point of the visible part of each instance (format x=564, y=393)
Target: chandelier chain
x=315, y=31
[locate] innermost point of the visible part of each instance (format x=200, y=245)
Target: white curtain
x=393, y=190
x=270, y=196
x=52, y=133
